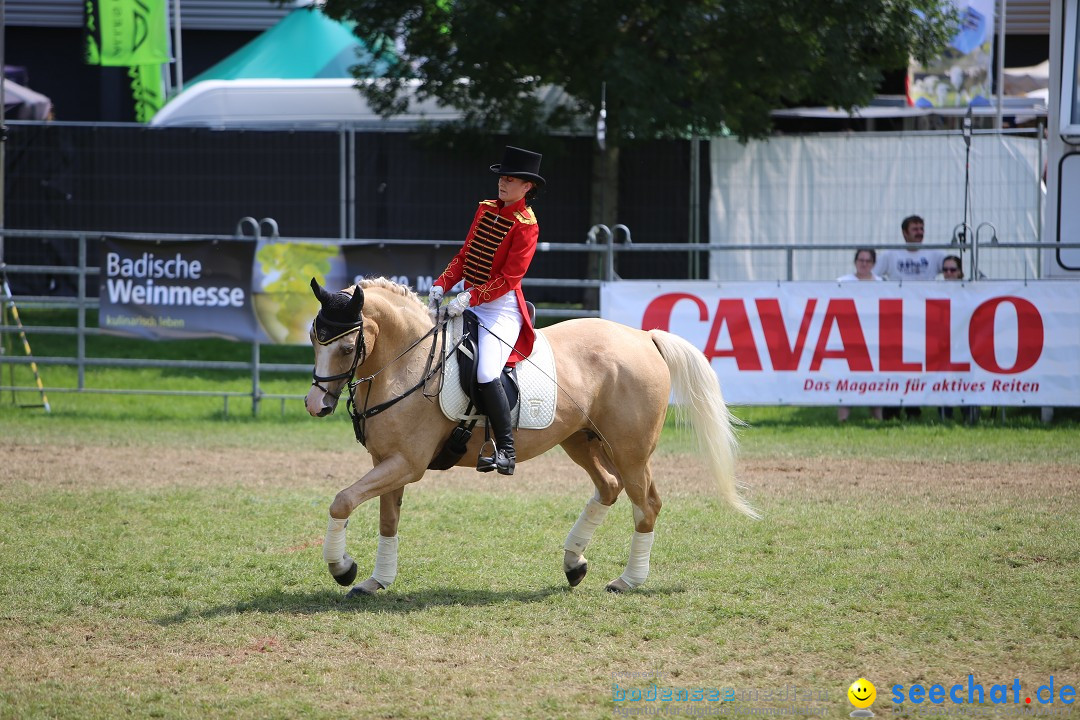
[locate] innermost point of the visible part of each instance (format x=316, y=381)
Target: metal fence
x=608, y=245
x=340, y=184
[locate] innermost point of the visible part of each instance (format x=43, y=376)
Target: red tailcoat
x=496, y=254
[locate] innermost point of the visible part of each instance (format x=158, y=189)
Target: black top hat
x=520, y=164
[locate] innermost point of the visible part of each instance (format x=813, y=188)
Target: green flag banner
x=147, y=90
x=126, y=32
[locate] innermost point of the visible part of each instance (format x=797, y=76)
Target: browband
x=327, y=331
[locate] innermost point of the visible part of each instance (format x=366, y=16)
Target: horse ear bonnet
x=339, y=315
x=337, y=308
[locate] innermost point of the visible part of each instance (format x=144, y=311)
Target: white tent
x=307, y=103
x=278, y=103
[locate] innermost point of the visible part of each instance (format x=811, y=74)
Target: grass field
x=160, y=560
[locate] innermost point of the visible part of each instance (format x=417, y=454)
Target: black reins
x=359, y=418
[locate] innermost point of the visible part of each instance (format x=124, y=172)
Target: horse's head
x=337, y=334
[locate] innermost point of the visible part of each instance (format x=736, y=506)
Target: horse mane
x=388, y=284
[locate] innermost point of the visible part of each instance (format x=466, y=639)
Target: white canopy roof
x=276, y=103
x=305, y=103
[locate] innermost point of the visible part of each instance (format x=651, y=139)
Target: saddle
x=530, y=388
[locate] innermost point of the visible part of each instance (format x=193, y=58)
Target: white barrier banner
x=871, y=343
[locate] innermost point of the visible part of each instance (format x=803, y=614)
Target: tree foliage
x=671, y=67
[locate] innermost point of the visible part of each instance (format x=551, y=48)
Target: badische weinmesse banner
x=872, y=343
x=242, y=289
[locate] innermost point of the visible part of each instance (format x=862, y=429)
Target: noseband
x=326, y=332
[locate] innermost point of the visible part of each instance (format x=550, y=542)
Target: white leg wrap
x=386, y=561
x=333, y=549
x=586, y=525
x=637, y=566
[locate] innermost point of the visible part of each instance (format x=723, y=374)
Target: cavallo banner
x=872, y=343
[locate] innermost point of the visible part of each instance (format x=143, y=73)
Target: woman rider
x=495, y=257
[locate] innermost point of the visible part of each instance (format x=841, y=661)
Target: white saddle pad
x=537, y=391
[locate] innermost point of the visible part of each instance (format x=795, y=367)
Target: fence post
x=352, y=182
x=80, y=339
x=612, y=275
x=695, y=205
x=343, y=193
x=256, y=392
x=609, y=264
x=1039, y=198
x=593, y=296
x=975, y=247
x=257, y=226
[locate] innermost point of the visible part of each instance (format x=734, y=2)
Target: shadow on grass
x=329, y=600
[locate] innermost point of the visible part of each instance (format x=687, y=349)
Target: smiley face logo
x=862, y=693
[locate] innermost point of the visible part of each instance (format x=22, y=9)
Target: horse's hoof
x=367, y=588
x=618, y=585
x=574, y=576
x=346, y=577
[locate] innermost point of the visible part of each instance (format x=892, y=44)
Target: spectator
x=913, y=263
x=864, y=264
x=953, y=269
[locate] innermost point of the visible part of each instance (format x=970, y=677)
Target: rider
x=496, y=255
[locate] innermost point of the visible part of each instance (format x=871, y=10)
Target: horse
x=614, y=387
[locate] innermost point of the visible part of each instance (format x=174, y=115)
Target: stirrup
x=487, y=463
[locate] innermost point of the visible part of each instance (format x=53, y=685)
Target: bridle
x=359, y=356
x=360, y=417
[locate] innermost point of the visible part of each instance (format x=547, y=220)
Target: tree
x=672, y=68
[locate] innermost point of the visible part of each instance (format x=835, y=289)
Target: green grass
x=193, y=602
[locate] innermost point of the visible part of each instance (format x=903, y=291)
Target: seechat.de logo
x=862, y=694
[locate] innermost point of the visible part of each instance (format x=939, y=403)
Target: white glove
x=459, y=304
x=434, y=300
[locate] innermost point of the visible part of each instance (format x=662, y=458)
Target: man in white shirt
x=913, y=263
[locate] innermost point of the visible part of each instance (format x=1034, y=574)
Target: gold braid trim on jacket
x=490, y=231
x=486, y=292
x=446, y=273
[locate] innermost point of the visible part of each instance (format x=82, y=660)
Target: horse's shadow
x=329, y=600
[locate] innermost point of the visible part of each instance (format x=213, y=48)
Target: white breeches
x=501, y=323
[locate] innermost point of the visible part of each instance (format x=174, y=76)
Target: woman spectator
x=952, y=268
x=864, y=271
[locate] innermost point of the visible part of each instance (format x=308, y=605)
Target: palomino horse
x=614, y=386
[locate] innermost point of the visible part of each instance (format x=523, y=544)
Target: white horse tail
x=699, y=399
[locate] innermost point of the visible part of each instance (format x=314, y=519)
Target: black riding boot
x=498, y=413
